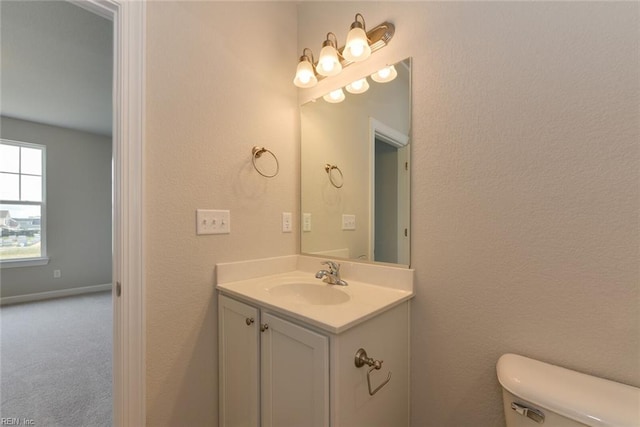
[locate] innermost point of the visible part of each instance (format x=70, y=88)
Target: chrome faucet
x=332, y=276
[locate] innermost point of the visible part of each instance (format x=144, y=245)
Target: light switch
x=306, y=222
x=209, y=221
x=348, y=222
x=286, y=222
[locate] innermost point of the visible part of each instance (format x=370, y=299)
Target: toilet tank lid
x=590, y=400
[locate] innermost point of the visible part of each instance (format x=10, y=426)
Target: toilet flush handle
x=528, y=412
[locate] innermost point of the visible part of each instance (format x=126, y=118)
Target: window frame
x=43, y=259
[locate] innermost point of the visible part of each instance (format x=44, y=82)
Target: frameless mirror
x=355, y=173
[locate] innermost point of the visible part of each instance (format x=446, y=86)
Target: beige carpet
x=55, y=361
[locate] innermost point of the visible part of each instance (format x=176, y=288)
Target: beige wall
x=218, y=82
x=525, y=189
x=78, y=210
x=525, y=186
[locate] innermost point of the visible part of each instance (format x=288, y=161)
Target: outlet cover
x=210, y=221
x=286, y=222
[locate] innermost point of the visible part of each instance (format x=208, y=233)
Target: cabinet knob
x=264, y=327
x=249, y=321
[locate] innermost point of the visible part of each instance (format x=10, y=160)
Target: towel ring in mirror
x=333, y=178
x=257, y=152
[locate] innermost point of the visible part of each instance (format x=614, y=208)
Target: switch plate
x=286, y=222
x=57, y=274
x=209, y=221
x=306, y=222
x=348, y=222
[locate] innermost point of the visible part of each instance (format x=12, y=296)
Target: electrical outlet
x=306, y=222
x=348, y=222
x=286, y=222
x=209, y=221
x=57, y=274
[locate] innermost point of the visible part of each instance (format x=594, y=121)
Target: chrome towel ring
x=257, y=152
x=332, y=178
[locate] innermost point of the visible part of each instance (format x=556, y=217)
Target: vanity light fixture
x=359, y=86
x=385, y=74
x=360, y=45
x=328, y=62
x=305, y=74
x=357, y=47
x=335, y=96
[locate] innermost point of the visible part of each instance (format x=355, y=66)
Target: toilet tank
x=537, y=393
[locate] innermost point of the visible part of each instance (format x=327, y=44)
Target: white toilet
x=536, y=393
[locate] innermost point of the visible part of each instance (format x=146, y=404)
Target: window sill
x=25, y=262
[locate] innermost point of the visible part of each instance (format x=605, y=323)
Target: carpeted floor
x=55, y=361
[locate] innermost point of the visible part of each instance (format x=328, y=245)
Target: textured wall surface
x=218, y=83
x=78, y=198
x=525, y=187
x=525, y=197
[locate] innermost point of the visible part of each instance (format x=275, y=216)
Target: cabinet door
x=295, y=375
x=238, y=347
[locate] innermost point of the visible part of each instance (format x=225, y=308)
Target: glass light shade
x=334, y=96
x=357, y=47
x=359, y=86
x=305, y=77
x=328, y=63
x=385, y=75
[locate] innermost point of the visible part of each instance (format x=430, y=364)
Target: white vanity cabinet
x=294, y=375
x=239, y=364
x=273, y=373
x=291, y=347
x=279, y=373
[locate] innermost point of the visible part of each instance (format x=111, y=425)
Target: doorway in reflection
x=390, y=196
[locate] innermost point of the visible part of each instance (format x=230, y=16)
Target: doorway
x=57, y=86
x=128, y=19
x=386, y=203
x=389, y=194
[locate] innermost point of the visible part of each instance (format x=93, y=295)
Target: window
x=22, y=204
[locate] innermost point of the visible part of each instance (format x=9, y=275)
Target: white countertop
x=354, y=304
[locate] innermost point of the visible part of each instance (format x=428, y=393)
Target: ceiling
x=56, y=65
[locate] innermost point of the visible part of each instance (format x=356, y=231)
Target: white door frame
x=128, y=142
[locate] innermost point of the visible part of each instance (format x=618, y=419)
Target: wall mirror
x=355, y=173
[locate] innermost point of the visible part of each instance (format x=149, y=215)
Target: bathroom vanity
x=289, y=344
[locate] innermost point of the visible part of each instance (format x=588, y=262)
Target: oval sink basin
x=310, y=293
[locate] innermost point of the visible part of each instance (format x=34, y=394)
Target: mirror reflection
x=355, y=172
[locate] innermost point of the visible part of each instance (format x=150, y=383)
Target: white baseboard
x=54, y=294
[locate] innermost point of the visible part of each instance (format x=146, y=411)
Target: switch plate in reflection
x=348, y=222
x=306, y=222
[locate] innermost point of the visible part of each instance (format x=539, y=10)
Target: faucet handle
x=333, y=266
